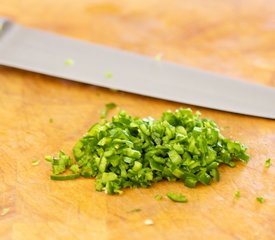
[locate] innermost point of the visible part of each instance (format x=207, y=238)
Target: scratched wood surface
x=236, y=38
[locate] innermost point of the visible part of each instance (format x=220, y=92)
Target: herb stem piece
x=65, y=177
x=177, y=197
x=35, y=162
x=108, y=107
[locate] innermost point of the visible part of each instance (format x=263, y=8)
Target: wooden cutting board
x=235, y=38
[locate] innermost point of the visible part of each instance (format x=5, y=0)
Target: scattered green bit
x=65, y=177
x=129, y=152
x=69, y=62
x=108, y=75
x=108, y=107
x=148, y=222
x=60, y=163
x=260, y=199
x=237, y=194
x=158, y=57
x=35, y=162
x=4, y=211
x=158, y=197
x=50, y=120
x=177, y=197
x=268, y=163
x=49, y=158
x=75, y=168
x=135, y=210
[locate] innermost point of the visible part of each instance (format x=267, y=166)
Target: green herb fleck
x=50, y=120
x=135, y=210
x=35, y=162
x=49, y=158
x=268, y=163
x=158, y=197
x=4, y=211
x=237, y=194
x=108, y=75
x=69, y=62
x=260, y=199
x=75, y=168
x=60, y=163
x=108, y=107
x=177, y=197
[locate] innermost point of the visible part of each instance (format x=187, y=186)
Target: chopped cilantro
x=268, y=163
x=131, y=152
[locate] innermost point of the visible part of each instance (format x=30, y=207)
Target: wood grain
x=235, y=38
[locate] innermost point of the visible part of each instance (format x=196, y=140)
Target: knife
x=43, y=52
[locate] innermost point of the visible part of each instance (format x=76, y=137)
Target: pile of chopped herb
x=133, y=152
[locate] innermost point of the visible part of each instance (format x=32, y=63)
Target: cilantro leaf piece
x=268, y=163
x=260, y=199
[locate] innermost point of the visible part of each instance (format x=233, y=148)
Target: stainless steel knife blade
x=43, y=52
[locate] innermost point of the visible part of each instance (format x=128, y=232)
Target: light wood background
x=235, y=38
